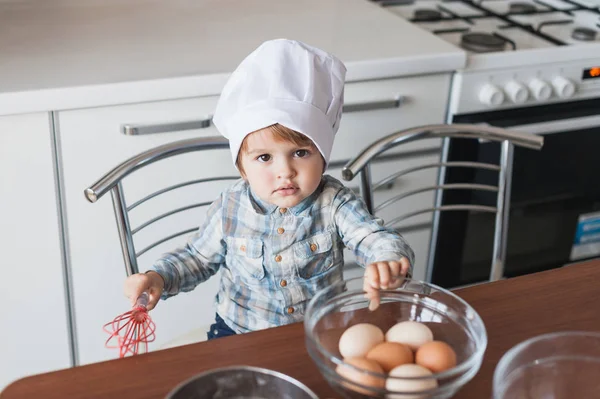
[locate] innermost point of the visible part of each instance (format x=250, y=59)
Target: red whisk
x=131, y=331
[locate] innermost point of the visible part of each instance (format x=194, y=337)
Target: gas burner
x=482, y=42
x=584, y=34
x=427, y=14
x=517, y=7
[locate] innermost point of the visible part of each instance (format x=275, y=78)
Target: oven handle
x=558, y=126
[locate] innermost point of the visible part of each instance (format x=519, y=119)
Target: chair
x=361, y=164
x=155, y=224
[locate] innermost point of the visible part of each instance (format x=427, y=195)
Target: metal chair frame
x=112, y=181
x=508, y=139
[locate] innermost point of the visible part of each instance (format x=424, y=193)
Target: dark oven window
x=550, y=190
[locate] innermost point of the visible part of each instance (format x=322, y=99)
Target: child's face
x=280, y=172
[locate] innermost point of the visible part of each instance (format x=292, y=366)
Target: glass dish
x=551, y=366
x=343, y=304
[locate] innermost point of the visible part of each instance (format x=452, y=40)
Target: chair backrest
x=362, y=164
x=143, y=214
x=161, y=193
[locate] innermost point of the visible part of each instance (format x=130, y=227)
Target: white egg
x=410, y=333
x=357, y=340
x=407, y=386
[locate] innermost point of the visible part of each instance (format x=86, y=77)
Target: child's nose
x=286, y=169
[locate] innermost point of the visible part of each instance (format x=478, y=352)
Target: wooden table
x=512, y=310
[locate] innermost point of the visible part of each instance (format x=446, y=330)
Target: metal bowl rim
x=261, y=370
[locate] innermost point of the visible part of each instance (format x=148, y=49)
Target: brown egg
x=360, y=377
x=390, y=355
x=437, y=356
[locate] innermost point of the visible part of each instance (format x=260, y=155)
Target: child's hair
x=280, y=133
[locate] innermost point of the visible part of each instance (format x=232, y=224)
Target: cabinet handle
x=137, y=130
x=371, y=105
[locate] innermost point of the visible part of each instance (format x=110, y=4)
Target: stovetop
x=492, y=26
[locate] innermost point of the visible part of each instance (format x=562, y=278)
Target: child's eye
x=263, y=158
x=302, y=153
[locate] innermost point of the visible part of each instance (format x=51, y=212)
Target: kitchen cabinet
x=34, y=334
x=92, y=142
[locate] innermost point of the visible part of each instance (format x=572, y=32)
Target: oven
x=554, y=214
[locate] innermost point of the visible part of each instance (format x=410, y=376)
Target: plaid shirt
x=273, y=260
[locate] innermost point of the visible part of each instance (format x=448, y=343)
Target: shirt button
x=278, y=258
x=280, y=230
x=313, y=247
x=290, y=310
x=282, y=210
x=283, y=283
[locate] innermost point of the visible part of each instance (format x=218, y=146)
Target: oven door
x=554, y=214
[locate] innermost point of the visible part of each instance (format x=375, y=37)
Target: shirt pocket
x=245, y=258
x=314, y=255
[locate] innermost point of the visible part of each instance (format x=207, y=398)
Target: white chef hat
x=286, y=82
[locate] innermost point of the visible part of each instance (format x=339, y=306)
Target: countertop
x=512, y=310
x=64, y=54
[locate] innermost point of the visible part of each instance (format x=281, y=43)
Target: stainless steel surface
x=112, y=182
x=559, y=126
x=365, y=187
x=108, y=181
x=508, y=140
x=138, y=130
x=395, y=176
x=124, y=230
x=479, y=208
x=61, y=213
x=241, y=382
x=503, y=205
x=164, y=215
x=491, y=133
x=176, y=186
x=453, y=186
x=167, y=238
x=372, y=105
x=437, y=203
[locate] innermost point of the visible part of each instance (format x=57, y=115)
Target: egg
x=390, y=354
x=357, y=340
x=410, y=333
x=406, y=386
x=361, y=377
x=437, y=356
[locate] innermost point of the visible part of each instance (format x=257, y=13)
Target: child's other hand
x=383, y=275
x=150, y=282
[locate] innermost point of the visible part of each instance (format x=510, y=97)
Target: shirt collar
x=267, y=208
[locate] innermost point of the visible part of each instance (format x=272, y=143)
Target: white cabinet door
x=424, y=102
x=33, y=316
x=92, y=144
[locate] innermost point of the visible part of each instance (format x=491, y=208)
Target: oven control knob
x=540, y=89
x=491, y=95
x=516, y=92
x=563, y=87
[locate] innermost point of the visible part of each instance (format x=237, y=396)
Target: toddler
x=278, y=234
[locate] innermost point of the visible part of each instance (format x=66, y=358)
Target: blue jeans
x=219, y=329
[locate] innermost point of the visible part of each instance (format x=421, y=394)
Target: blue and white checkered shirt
x=273, y=260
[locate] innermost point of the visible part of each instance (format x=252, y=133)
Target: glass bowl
x=551, y=366
x=343, y=304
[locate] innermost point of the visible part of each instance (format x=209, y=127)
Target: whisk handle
x=142, y=300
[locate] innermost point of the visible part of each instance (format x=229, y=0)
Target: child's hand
x=150, y=282
x=384, y=275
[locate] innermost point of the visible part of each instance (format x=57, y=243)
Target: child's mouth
x=285, y=191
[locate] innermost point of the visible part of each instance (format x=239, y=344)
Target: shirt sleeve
x=197, y=260
x=364, y=234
